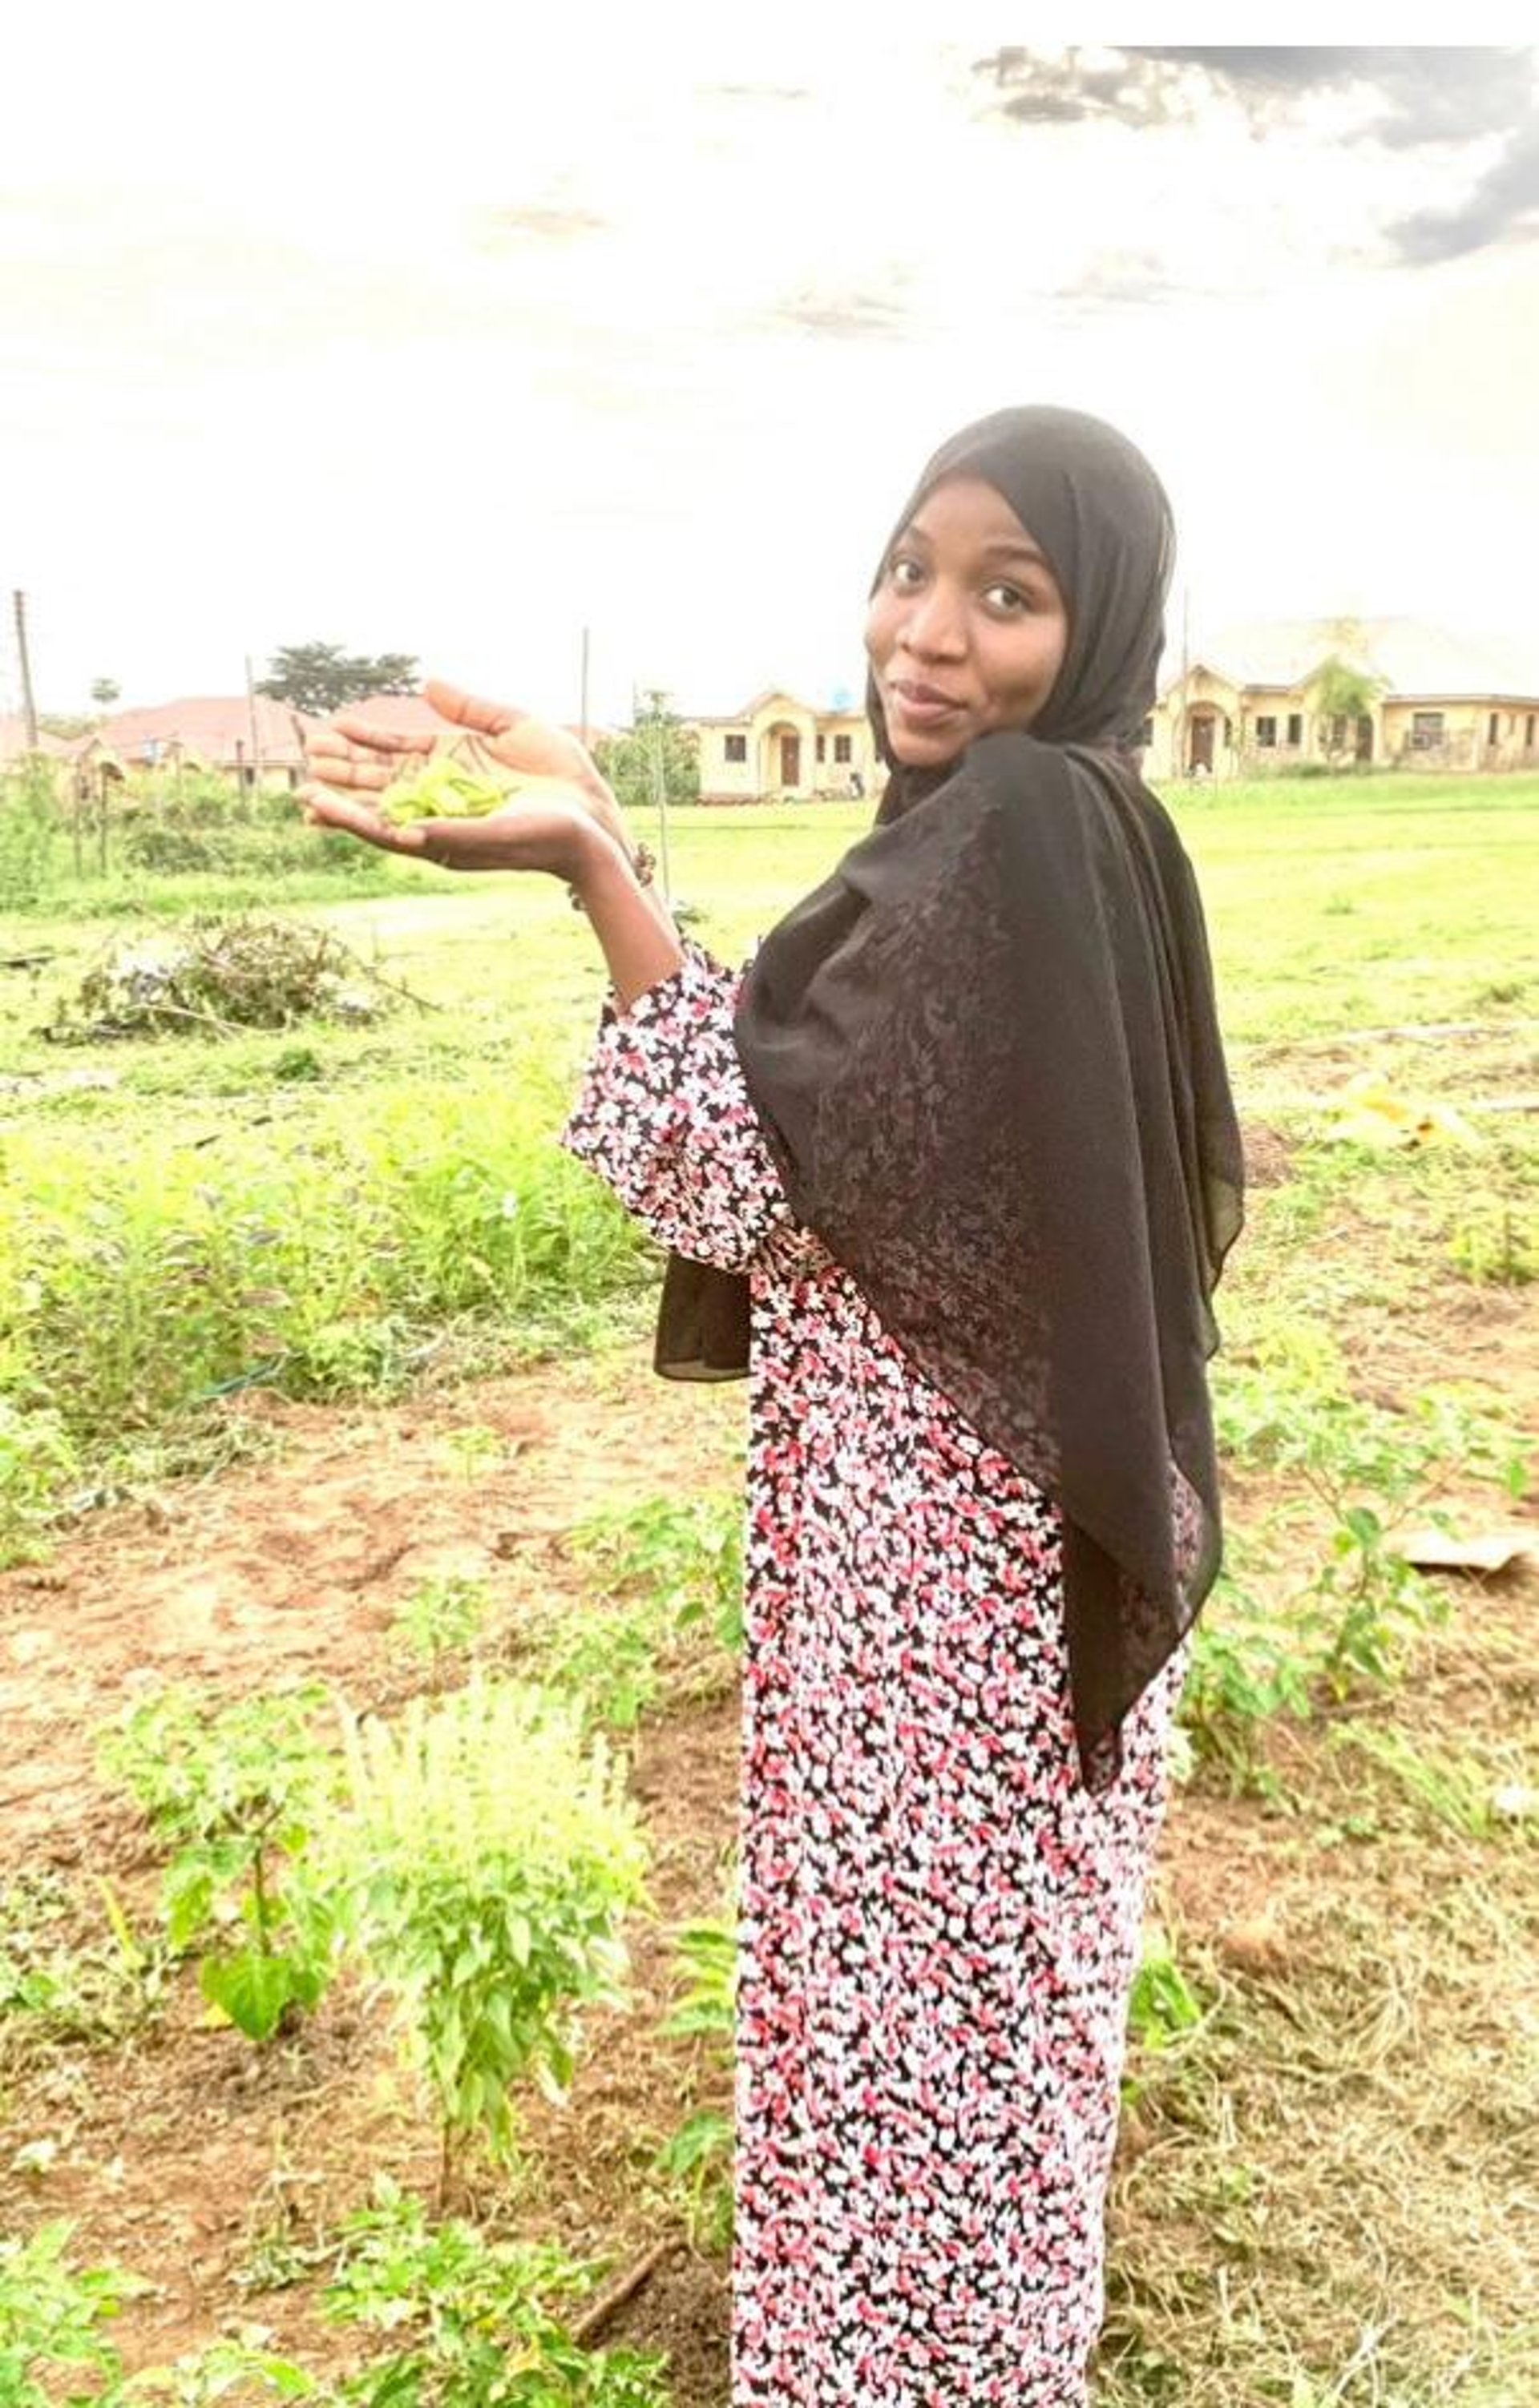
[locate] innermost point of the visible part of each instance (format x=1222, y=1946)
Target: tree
x=322, y=677
x=629, y=761
x=105, y=692
x=1341, y=695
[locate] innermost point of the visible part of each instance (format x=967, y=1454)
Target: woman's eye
x=1009, y=596
x=905, y=572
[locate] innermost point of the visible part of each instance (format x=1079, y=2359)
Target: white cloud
x=455, y=348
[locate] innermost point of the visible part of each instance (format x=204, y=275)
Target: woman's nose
x=933, y=626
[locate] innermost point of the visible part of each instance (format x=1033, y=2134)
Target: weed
x=1457, y=1791
x=1496, y=1247
x=37, y=1459
x=442, y=1616
x=53, y=2317
x=52, y=1993
x=687, y=1552
x=467, y=2319
x=697, y=2153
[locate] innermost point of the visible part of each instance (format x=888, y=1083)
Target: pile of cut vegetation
x=217, y=975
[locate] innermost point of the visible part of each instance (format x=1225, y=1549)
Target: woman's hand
x=353, y=757
x=551, y=834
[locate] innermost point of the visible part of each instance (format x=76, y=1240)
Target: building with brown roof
x=248, y=737
x=1249, y=701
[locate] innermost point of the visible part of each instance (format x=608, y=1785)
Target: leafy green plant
x=236, y=1791
x=36, y=1460
x=229, y=2369
x=1246, y=1665
x=29, y=830
x=697, y=2153
x=51, y=2323
x=686, y=1552
x=468, y=2318
x=1162, y=2006
x=144, y=1273
x=1374, y=1470
x=473, y=1449
x=490, y=1852
x=441, y=1617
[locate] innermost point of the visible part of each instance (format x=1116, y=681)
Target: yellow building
x=777, y=747
x=1249, y=701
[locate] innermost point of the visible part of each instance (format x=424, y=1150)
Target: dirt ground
x=212, y=2169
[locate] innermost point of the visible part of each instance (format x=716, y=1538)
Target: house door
x=790, y=760
x=1365, y=739
x=1200, y=749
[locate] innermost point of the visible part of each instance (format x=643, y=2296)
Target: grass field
x=300, y=1329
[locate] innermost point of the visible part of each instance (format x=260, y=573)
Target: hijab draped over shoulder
x=987, y=1059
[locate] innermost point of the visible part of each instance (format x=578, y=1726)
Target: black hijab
x=986, y=1058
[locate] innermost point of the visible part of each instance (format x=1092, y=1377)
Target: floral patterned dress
x=939, y=1925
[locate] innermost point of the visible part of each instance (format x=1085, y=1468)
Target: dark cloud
x=1504, y=203
x=549, y=223
x=1411, y=98
x=1422, y=95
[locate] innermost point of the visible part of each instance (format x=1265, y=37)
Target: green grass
x=319, y=1207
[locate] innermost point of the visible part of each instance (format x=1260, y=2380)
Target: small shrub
x=489, y=1851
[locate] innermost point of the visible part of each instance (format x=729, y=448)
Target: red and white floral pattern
x=939, y=1925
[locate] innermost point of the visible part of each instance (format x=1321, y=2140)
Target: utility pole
x=28, y=703
x=659, y=789
x=1182, y=764
x=256, y=739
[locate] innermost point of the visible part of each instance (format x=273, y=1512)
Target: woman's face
x=967, y=628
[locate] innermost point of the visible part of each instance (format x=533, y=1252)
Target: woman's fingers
x=471, y=709
x=349, y=767
x=359, y=735
x=325, y=808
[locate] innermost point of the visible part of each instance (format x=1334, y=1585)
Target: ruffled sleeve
x=664, y=1118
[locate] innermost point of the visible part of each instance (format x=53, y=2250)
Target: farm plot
x=326, y=1400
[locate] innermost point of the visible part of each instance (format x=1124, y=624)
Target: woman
x=962, y=1146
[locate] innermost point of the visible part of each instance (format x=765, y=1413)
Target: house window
x=844, y=749
x=1229, y=730
x=1295, y=727
x=737, y=748
x=1493, y=727
x=1266, y=731
x=1528, y=732
x=1425, y=730
x=822, y=747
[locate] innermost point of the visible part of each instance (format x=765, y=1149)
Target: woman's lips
x=922, y=706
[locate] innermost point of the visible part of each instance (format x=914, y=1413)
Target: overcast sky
x=647, y=319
